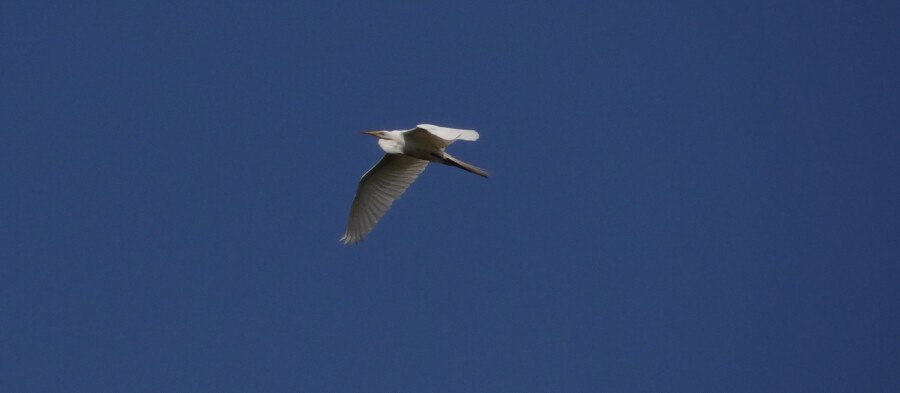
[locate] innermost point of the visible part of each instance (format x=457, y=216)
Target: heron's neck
x=391, y=146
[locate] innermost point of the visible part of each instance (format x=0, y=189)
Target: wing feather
x=443, y=136
x=377, y=190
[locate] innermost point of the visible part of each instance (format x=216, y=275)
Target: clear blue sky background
x=686, y=196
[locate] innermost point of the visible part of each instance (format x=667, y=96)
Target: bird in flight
x=408, y=152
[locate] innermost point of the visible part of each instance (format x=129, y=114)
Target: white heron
x=408, y=152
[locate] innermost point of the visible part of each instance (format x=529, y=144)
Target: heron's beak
x=372, y=133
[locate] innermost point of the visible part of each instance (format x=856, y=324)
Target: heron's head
x=377, y=134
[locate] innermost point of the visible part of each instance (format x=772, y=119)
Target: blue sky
x=685, y=196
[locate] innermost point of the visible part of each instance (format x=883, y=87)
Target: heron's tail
x=450, y=160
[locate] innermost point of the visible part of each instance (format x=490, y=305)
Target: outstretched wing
x=377, y=190
x=442, y=136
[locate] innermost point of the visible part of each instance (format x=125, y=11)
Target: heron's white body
x=408, y=153
x=423, y=138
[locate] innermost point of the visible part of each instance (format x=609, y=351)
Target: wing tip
x=349, y=240
x=466, y=135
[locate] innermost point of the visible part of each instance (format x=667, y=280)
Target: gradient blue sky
x=686, y=196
